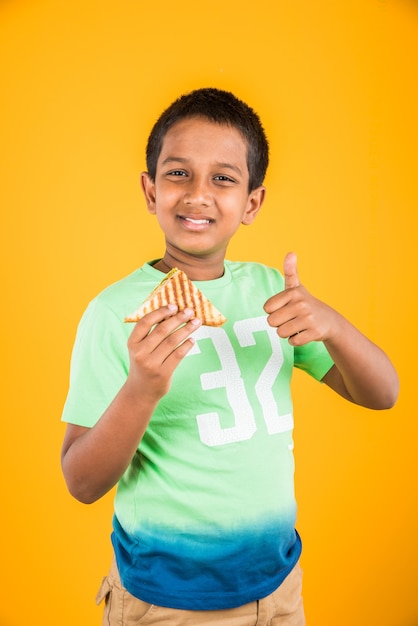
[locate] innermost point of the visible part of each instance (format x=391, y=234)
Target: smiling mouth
x=195, y=221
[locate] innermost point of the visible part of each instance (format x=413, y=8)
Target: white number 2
x=229, y=377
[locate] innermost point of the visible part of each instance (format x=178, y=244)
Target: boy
x=194, y=423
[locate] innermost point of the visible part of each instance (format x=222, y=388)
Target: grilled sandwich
x=176, y=288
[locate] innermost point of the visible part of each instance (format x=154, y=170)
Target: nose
x=198, y=193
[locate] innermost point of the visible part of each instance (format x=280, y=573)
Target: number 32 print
x=229, y=377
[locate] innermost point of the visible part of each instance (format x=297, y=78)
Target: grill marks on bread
x=176, y=288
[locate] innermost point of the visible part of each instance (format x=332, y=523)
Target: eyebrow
x=174, y=159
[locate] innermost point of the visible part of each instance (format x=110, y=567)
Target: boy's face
x=200, y=193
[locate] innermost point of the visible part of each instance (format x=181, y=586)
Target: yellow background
x=336, y=85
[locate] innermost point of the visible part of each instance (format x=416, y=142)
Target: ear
x=148, y=187
x=254, y=203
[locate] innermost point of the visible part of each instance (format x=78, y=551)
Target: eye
x=176, y=173
x=223, y=178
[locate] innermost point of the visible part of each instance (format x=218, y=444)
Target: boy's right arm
x=94, y=459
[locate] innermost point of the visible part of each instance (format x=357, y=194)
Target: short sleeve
x=99, y=364
x=314, y=359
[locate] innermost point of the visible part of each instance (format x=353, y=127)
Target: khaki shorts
x=284, y=607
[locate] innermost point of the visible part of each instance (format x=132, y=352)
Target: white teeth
x=189, y=219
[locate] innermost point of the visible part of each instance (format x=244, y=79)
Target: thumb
x=291, y=278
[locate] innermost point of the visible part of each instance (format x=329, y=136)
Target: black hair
x=221, y=107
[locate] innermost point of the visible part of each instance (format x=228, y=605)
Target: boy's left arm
x=362, y=372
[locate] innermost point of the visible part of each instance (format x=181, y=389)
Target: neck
x=196, y=268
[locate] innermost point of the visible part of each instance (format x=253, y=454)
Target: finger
x=291, y=278
x=177, y=343
x=300, y=338
x=180, y=351
x=165, y=336
x=151, y=352
x=146, y=323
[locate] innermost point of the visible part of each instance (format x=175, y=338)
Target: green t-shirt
x=205, y=513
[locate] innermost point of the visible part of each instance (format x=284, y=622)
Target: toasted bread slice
x=176, y=288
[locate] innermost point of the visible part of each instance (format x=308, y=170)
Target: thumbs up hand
x=295, y=313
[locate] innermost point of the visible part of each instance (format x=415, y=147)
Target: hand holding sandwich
x=158, y=342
